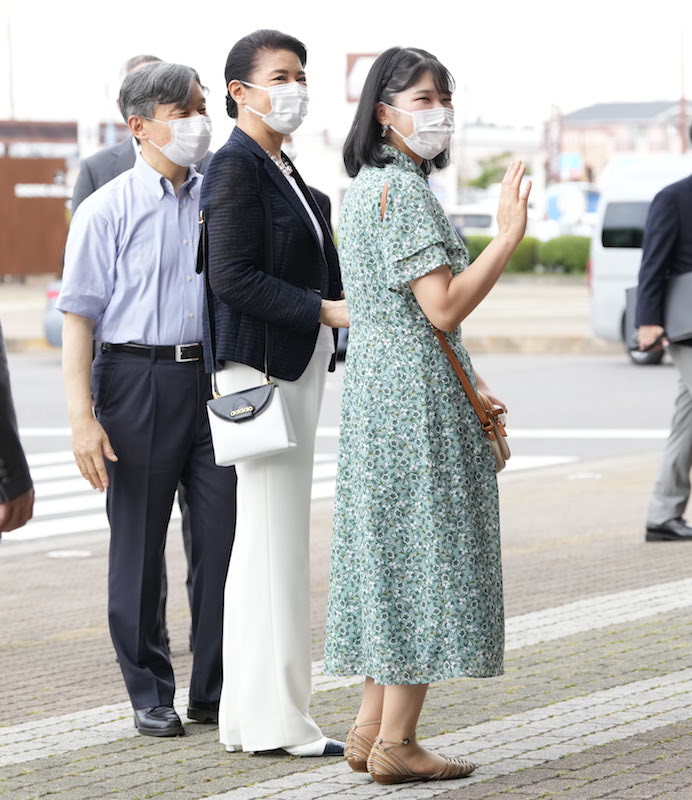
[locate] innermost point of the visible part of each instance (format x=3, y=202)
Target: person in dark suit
x=266, y=644
x=16, y=487
x=667, y=251
x=94, y=172
x=130, y=285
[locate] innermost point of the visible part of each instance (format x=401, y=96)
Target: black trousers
x=154, y=414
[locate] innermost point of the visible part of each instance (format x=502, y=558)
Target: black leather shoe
x=158, y=721
x=675, y=530
x=203, y=712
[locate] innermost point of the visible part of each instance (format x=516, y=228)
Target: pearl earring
x=385, y=128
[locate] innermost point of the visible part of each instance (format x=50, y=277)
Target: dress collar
x=402, y=160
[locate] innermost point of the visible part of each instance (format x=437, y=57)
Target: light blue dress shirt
x=130, y=260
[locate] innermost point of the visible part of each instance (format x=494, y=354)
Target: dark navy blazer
x=666, y=249
x=15, y=479
x=245, y=297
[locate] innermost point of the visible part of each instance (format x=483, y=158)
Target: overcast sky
x=511, y=60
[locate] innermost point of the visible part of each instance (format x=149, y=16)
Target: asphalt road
x=568, y=395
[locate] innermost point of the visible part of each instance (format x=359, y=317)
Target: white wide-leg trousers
x=266, y=637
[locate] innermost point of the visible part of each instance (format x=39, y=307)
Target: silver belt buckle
x=179, y=357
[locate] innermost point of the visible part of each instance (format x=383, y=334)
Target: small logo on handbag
x=243, y=410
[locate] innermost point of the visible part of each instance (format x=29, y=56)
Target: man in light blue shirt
x=138, y=415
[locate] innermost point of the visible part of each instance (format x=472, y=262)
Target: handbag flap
x=243, y=405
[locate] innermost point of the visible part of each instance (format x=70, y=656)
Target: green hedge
x=476, y=245
x=525, y=258
x=563, y=254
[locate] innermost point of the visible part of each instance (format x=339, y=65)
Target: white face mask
x=432, y=130
x=190, y=139
x=289, y=103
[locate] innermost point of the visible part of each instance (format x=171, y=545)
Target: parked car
x=474, y=219
x=628, y=185
x=52, y=318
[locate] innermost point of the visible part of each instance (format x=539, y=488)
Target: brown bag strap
x=478, y=406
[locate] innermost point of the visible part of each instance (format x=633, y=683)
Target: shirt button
x=191, y=315
x=185, y=241
x=189, y=278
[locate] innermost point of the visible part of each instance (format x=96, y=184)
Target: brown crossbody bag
x=488, y=414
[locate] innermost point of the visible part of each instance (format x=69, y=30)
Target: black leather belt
x=168, y=352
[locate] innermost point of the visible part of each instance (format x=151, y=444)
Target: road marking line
x=26, y=433
x=61, y=734
x=332, y=431
x=559, y=433
x=54, y=457
x=587, y=433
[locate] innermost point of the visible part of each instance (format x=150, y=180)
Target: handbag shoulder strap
x=203, y=266
x=478, y=407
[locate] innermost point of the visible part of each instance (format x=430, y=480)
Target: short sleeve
x=412, y=239
x=90, y=256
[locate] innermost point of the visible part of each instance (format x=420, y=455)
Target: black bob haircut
x=394, y=71
x=242, y=58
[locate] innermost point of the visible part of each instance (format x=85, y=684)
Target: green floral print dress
x=415, y=589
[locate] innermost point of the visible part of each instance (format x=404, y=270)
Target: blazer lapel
x=328, y=253
x=288, y=192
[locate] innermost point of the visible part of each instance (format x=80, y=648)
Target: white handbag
x=252, y=423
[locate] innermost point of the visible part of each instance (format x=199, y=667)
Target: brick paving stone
x=55, y=657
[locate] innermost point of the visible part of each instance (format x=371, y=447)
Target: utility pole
x=10, y=77
x=684, y=133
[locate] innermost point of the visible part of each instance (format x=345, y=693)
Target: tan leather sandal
x=357, y=747
x=385, y=767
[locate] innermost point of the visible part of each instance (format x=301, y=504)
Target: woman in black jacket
x=283, y=293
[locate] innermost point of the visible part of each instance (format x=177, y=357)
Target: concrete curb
x=537, y=345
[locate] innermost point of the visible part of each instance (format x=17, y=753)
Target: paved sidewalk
x=523, y=314
x=595, y=703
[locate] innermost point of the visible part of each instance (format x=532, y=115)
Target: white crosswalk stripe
x=65, y=504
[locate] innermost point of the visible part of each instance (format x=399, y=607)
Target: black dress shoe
x=675, y=530
x=203, y=712
x=158, y=721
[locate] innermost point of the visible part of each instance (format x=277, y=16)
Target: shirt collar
x=158, y=185
x=402, y=160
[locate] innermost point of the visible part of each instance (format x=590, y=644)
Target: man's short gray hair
x=156, y=84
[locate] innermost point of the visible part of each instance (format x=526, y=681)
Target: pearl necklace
x=285, y=168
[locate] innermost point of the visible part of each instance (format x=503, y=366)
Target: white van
x=628, y=184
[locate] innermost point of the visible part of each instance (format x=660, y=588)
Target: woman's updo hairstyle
x=393, y=71
x=242, y=59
